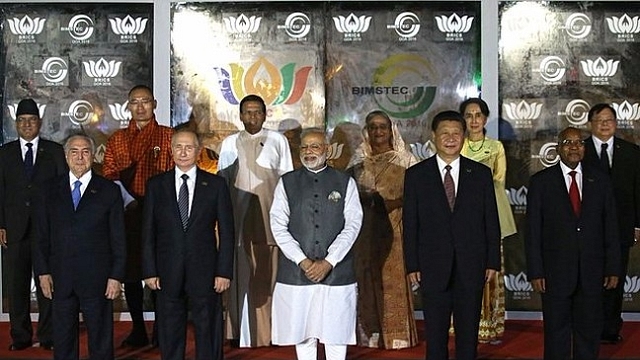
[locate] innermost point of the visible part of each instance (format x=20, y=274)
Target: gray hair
x=315, y=130
x=86, y=137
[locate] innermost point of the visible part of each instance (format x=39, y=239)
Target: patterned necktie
x=28, y=161
x=574, y=194
x=604, y=158
x=75, y=193
x=183, y=201
x=449, y=187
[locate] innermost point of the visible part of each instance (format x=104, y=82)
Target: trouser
x=308, y=350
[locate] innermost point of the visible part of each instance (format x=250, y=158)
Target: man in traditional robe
x=132, y=156
x=315, y=218
x=252, y=161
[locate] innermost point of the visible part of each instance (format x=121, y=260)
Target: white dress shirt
x=455, y=170
x=84, y=179
x=191, y=183
x=597, y=143
x=24, y=148
x=567, y=177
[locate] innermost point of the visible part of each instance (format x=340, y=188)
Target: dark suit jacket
x=435, y=237
x=562, y=248
x=81, y=248
x=16, y=191
x=625, y=177
x=167, y=249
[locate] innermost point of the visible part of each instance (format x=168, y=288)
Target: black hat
x=27, y=107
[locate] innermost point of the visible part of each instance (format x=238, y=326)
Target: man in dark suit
x=451, y=238
x=572, y=249
x=26, y=165
x=181, y=254
x=621, y=161
x=80, y=252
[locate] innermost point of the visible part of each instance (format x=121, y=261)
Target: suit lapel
x=169, y=189
x=92, y=190
x=16, y=158
x=439, y=184
x=563, y=193
x=198, y=199
x=589, y=186
x=464, y=182
x=65, y=193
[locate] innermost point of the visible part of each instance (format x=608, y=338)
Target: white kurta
x=262, y=158
x=320, y=311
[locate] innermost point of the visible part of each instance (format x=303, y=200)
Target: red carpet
x=522, y=340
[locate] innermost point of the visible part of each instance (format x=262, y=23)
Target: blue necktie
x=75, y=193
x=183, y=202
x=28, y=161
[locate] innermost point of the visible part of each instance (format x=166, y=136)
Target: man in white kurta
x=315, y=219
x=253, y=160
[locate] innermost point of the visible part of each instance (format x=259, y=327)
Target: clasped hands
x=220, y=283
x=539, y=285
x=316, y=270
x=46, y=284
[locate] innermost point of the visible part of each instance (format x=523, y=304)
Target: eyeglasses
x=567, y=142
x=314, y=147
x=143, y=102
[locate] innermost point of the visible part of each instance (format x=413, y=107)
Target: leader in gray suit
x=80, y=252
x=451, y=245
x=19, y=185
x=181, y=255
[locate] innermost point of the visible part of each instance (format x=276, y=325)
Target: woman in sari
x=385, y=299
x=490, y=152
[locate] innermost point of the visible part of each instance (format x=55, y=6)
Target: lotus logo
x=627, y=111
x=128, y=25
x=99, y=156
x=120, y=112
x=26, y=26
x=80, y=27
x=276, y=86
x=454, y=23
x=80, y=112
x=517, y=197
x=54, y=70
x=552, y=68
x=335, y=151
x=297, y=25
x=624, y=24
x=548, y=154
x=578, y=25
x=242, y=24
x=406, y=25
x=422, y=151
x=102, y=68
x=577, y=112
x=352, y=24
x=522, y=110
x=599, y=67
x=517, y=282
x=13, y=108
x=631, y=285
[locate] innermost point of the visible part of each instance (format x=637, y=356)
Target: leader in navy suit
x=182, y=256
x=451, y=242
x=80, y=252
x=26, y=164
x=621, y=161
x=572, y=249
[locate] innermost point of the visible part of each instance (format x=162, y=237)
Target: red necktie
x=449, y=187
x=574, y=193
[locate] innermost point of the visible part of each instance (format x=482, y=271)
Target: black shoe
x=611, y=339
x=154, y=340
x=47, y=345
x=135, y=341
x=19, y=346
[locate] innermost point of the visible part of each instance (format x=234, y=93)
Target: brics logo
x=128, y=28
x=13, y=108
x=454, y=26
x=352, y=26
x=276, y=86
x=26, y=28
x=242, y=27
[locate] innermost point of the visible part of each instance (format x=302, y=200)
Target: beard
x=315, y=163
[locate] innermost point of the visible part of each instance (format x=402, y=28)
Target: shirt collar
x=35, y=141
x=566, y=169
x=598, y=143
x=84, y=179
x=441, y=163
x=191, y=173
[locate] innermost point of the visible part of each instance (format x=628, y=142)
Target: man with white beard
x=315, y=219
